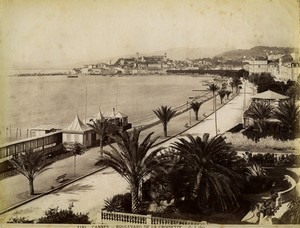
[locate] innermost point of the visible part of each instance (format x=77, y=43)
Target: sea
x=56, y=100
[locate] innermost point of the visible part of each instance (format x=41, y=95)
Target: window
x=2, y=152
x=40, y=142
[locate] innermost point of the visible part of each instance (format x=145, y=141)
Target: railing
x=168, y=221
x=117, y=217
x=153, y=120
x=8, y=174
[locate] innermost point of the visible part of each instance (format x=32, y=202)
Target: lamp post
x=244, y=103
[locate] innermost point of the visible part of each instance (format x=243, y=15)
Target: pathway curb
x=51, y=190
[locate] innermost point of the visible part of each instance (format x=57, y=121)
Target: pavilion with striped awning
x=77, y=131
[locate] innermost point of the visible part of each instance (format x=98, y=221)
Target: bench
x=61, y=178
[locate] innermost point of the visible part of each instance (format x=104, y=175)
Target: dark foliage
x=266, y=81
x=56, y=216
x=132, y=160
x=208, y=164
x=20, y=220
x=292, y=215
x=64, y=216
x=268, y=159
x=118, y=203
x=273, y=129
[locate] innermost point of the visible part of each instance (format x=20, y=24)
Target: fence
x=121, y=218
x=152, y=120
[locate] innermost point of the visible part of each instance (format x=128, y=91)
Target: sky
x=51, y=33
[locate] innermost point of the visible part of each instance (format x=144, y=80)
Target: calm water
x=31, y=101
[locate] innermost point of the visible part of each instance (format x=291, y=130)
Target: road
x=88, y=194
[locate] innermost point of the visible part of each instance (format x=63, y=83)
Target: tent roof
x=120, y=115
x=77, y=126
x=112, y=115
x=270, y=95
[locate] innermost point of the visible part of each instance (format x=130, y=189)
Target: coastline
x=85, y=163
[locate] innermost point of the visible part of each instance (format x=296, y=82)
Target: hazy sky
x=62, y=31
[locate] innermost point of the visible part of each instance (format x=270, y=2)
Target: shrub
x=292, y=215
x=56, y=216
x=268, y=159
x=240, y=141
x=66, y=216
x=20, y=220
x=118, y=203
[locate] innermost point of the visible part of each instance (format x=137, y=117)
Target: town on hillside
x=283, y=66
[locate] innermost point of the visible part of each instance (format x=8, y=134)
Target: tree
x=118, y=203
x=196, y=106
x=260, y=112
x=103, y=128
x=236, y=82
x=288, y=114
x=77, y=149
x=209, y=162
x=292, y=215
x=132, y=160
x=232, y=86
x=214, y=88
x=222, y=94
x=165, y=114
x=30, y=164
x=227, y=92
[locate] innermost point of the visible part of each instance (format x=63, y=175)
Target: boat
x=72, y=76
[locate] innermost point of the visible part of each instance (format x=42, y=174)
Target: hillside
x=190, y=53
x=258, y=51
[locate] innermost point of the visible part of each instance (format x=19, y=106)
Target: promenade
x=88, y=194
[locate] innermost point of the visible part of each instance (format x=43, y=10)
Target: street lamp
x=244, y=103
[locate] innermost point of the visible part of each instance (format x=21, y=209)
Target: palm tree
x=165, y=114
x=292, y=215
x=132, y=160
x=260, y=112
x=214, y=88
x=232, y=86
x=236, y=83
x=196, y=106
x=210, y=162
x=30, y=164
x=227, y=94
x=76, y=148
x=222, y=94
x=103, y=127
x=288, y=114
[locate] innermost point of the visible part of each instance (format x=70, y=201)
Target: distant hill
x=190, y=53
x=258, y=51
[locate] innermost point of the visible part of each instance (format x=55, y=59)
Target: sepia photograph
x=149, y=113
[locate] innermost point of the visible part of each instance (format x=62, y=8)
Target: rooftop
x=270, y=95
x=77, y=126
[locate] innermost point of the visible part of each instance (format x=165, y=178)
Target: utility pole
x=244, y=105
x=85, y=104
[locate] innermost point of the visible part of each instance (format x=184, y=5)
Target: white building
x=78, y=132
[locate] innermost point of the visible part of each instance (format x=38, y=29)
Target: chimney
x=114, y=113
